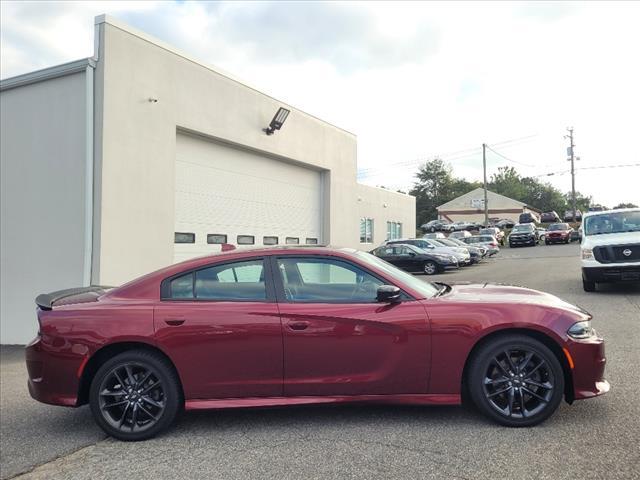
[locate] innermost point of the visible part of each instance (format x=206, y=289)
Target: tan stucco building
x=470, y=207
x=140, y=156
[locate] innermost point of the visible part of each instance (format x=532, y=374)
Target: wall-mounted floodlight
x=277, y=122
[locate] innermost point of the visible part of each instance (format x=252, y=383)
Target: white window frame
x=368, y=230
x=394, y=230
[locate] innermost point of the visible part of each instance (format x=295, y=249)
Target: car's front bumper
x=612, y=273
x=588, y=359
x=558, y=239
x=522, y=240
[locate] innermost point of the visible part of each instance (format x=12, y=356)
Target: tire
x=588, y=286
x=432, y=229
x=142, y=416
x=521, y=404
x=430, y=268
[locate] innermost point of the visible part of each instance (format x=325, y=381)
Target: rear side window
x=240, y=281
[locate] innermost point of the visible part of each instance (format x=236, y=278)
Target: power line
x=451, y=156
x=564, y=172
x=509, y=159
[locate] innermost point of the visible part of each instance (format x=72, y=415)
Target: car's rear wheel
x=135, y=395
x=516, y=381
x=588, y=286
x=430, y=268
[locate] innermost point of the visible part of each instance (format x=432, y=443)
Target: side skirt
x=403, y=399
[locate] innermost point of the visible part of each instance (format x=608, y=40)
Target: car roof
x=604, y=212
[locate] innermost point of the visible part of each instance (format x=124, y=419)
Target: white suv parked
x=610, y=247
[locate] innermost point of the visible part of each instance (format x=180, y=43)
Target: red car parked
x=286, y=326
x=558, y=233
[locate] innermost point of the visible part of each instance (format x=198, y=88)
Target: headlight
x=587, y=253
x=581, y=330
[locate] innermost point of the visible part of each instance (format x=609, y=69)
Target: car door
x=412, y=261
x=221, y=327
x=338, y=340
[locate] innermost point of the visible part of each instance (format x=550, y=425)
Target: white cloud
x=412, y=80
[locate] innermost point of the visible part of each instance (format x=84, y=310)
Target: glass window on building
x=394, y=230
x=366, y=230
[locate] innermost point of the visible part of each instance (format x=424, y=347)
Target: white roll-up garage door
x=236, y=196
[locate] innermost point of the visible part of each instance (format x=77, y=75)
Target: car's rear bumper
x=588, y=360
x=625, y=273
x=52, y=376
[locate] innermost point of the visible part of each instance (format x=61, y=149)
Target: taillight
x=493, y=244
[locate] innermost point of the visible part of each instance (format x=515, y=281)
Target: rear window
x=231, y=282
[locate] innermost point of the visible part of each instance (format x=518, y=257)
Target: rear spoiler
x=46, y=301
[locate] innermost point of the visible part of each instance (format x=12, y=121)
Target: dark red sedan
x=287, y=326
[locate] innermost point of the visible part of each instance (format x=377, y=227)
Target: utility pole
x=484, y=168
x=573, y=174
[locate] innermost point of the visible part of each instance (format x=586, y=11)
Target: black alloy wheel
x=516, y=380
x=134, y=395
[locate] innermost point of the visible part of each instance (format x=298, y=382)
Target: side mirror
x=412, y=254
x=388, y=294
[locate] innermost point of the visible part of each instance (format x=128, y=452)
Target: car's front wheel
x=135, y=395
x=516, y=380
x=430, y=268
x=588, y=286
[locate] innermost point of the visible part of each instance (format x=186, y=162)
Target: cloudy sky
x=412, y=80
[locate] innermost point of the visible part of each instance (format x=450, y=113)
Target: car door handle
x=298, y=325
x=174, y=322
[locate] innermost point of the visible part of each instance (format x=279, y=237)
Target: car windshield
x=522, y=228
x=614, y=222
x=425, y=288
x=559, y=226
x=447, y=243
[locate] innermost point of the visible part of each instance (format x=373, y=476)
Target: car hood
x=501, y=293
x=611, y=239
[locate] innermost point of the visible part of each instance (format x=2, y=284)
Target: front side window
x=326, y=280
x=366, y=230
x=231, y=281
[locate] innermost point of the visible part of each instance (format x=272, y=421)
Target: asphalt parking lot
x=592, y=439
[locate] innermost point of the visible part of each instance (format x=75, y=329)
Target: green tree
x=626, y=205
x=434, y=186
x=529, y=190
x=582, y=201
x=508, y=182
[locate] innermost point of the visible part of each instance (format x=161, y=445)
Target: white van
x=610, y=247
